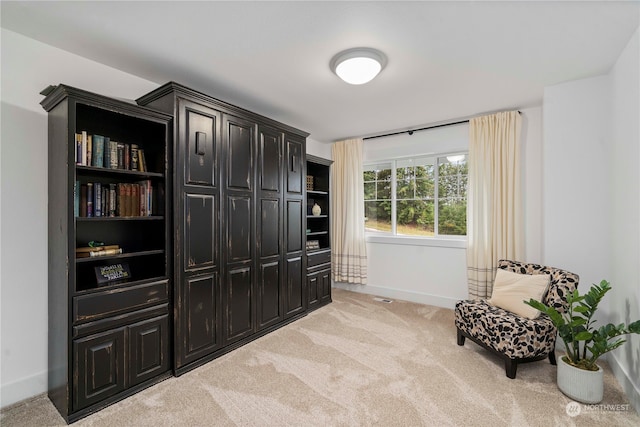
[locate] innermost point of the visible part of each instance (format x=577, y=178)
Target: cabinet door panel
x=238, y=304
x=269, y=227
x=270, y=160
x=200, y=309
x=324, y=286
x=269, y=311
x=239, y=228
x=294, y=225
x=200, y=149
x=294, y=296
x=295, y=161
x=148, y=349
x=199, y=231
x=99, y=370
x=312, y=289
x=239, y=154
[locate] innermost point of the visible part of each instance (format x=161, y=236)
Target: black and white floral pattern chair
x=514, y=338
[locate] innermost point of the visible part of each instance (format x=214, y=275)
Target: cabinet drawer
x=315, y=268
x=112, y=302
x=317, y=258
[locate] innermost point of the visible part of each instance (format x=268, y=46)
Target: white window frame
x=441, y=240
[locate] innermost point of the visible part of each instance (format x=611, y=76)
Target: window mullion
x=436, y=196
x=393, y=198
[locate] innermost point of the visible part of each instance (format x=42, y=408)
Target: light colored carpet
x=355, y=362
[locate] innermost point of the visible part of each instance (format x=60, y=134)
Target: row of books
x=95, y=199
x=87, y=252
x=102, y=152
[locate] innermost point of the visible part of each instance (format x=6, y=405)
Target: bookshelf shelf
x=317, y=233
x=118, y=218
x=98, y=171
x=120, y=256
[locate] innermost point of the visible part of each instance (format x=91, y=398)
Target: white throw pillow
x=510, y=289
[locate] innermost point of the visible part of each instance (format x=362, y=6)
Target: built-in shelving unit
x=318, y=241
x=108, y=314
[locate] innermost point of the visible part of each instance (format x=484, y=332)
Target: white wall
x=436, y=273
x=319, y=149
x=624, y=206
x=27, y=68
x=576, y=178
x=591, y=189
x=531, y=149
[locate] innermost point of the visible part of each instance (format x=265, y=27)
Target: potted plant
x=579, y=377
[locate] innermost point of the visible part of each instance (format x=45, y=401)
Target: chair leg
x=552, y=358
x=460, y=337
x=511, y=366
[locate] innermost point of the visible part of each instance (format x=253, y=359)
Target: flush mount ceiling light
x=358, y=65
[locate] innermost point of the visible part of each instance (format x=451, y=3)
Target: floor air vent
x=384, y=300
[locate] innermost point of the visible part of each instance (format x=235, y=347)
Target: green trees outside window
x=423, y=187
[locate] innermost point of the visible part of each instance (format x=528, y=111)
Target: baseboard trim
x=418, y=297
x=23, y=389
x=630, y=389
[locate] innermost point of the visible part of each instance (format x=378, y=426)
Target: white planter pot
x=580, y=385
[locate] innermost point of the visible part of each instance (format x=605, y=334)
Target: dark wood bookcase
x=107, y=339
x=318, y=232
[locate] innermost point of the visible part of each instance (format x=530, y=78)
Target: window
x=422, y=196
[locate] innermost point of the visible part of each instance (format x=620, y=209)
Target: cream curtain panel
x=494, y=213
x=349, y=252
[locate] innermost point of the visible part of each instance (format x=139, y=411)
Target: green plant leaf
x=583, y=336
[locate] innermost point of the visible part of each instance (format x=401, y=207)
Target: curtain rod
x=411, y=131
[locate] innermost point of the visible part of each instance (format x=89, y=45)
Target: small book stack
x=90, y=252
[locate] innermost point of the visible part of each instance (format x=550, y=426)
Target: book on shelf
x=89, y=150
x=97, y=199
x=112, y=200
x=83, y=200
x=133, y=200
x=106, y=161
x=142, y=163
x=91, y=252
x=113, y=155
x=95, y=248
x=76, y=198
x=97, y=159
x=89, y=199
x=78, y=148
x=120, y=148
x=127, y=156
x=134, y=157
x=83, y=158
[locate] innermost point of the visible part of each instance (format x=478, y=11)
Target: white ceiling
x=447, y=60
